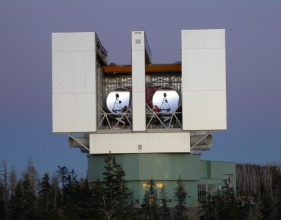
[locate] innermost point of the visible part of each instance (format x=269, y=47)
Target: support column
x=138, y=80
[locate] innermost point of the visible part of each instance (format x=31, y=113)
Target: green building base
x=199, y=176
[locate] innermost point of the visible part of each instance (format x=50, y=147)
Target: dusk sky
x=253, y=68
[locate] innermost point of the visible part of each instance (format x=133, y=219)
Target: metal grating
x=201, y=192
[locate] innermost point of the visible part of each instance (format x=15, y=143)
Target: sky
x=253, y=65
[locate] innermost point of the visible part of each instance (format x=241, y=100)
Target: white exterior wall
x=150, y=142
x=74, y=82
x=138, y=80
x=203, y=80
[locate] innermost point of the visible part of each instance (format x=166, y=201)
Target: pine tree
x=223, y=205
x=164, y=210
x=2, y=201
x=229, y=207
x=23, y=202
x=62, y=174
x=44, y=197
x=16, y=205
x=100, y=202
x=12, y=181
x=180, y=196
x=113, y=198
x=46, y=205
x=86, y=205
x=276, y=191
x=56, y=196
x=70, y=192
x=32, y=175
x=124, y=196
x=109, y=183
x=5, y=192
x=150, y=203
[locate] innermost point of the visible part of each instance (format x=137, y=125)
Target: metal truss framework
x=203, y=137
x=155, y=120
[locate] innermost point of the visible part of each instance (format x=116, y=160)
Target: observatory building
x=155, y=118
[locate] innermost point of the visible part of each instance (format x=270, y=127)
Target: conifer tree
x=164, y=211
x=32, y=175
x=44, y=197
x=86, y=202
x=46, y=200
x=112, y=198
x=223, y=205
x=150, y=203
x=12, y=181
x=180, y=196
x=117, y=196
x=70, y=192
x=100, y=208
x=23, y=202
x=5, y=192
x=108, y=193
x=62, y=174
x=229, y=207
x=16, y=205
x=55, y=193
x=123, y=194
x=2, y=201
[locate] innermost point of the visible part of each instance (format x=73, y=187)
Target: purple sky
x=253, y=52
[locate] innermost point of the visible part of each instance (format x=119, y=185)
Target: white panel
x=203, y=80
x=73, y=72
x=73, y=41
x=205, y=69
x=204, y=110
x=138, y=71
x=139, y=119
x=73, y=112
x=197, y=39
x=150, y=143
x=74, y=82
x=138, y=80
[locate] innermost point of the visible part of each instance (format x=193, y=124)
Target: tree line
x=64, y=195
x=258, y=196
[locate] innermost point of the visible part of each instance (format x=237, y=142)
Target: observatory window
x=201, y=192
x=160, y=185
x=145, y=185
x=138, y=41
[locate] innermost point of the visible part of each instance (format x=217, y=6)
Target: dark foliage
x=150, y=204
x=2, y=202
x=224, y=205
x=164, y=210
x=180, y=196
x=113, y=192
x=23, y=203
x=64, y=196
